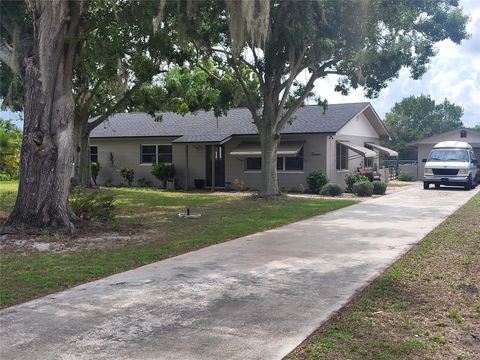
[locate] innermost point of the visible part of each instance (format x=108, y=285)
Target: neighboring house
x=342, y=139
x=424, y=146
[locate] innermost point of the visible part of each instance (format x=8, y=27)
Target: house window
x=294, y=163
x=148, y=154
x=463, y=133
x=369, y=162
x=342, y=157
x=253, y=164
x=283, y=163
x=93, y=154
x=153, y=154
x=164, y=154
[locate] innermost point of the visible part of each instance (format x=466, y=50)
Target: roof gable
x=472, y=136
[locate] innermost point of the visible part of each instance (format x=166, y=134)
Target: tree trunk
x=81, y=142
x=46, y=154
x=269, y=142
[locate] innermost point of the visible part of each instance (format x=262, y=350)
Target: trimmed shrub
x=316, y=180
x=331, y=190
x=403, y=176
x=128, y=174
x=353, y=178
x=379, y=187
x=363, y=188
x=96, y=205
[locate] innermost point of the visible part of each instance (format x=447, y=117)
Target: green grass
x=424, y=307
x=8, y=192
x=151, y=214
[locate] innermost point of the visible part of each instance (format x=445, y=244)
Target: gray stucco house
x=219, y=150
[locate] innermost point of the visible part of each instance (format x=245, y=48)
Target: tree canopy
x=418, y=117
x=366, y=42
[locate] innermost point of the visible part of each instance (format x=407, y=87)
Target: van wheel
x=426, y=185
x=437, y=186
x=468, y=185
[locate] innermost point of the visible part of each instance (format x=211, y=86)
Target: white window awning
x=383, y=149
x=253, y=149
x=359, y=149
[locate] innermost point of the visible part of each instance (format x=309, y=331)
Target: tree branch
x=93, y=124
x=6, y=56
x=248, y=94
x=308, y=88
x=295, y=65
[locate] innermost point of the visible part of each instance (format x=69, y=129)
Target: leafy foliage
x=404, y=176
x=96, y=205
x=316, y=180
x=95, y=169
x=379, y=187
x=164, y=172
x=10, y=143
x=418, y=117
x=331, y=190
x=128, y=174
x=144, y=183
x=239, y=185
x=352, y=178
x=363, y=188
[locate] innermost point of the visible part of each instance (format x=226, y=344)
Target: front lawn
x=146, y=228
x=426, y=306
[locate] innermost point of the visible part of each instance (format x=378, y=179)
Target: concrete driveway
x=256, y=297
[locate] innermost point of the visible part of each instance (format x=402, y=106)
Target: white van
x=451, y=163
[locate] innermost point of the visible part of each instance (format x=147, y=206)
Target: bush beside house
x=353, y=178
x=379, y=187
x=331, y=190
x=404, y=176
x=316, y=180
x=363, y=188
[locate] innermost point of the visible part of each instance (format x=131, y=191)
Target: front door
x=219, y=165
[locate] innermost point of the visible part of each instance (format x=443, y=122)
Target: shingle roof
x=308, y=119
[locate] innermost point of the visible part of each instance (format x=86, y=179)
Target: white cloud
x=453, y=74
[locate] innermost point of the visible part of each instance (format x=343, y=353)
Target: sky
x=454, y=74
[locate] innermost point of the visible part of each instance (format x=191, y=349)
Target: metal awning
x=359, y=149
x=383, y=149
x=250, y=148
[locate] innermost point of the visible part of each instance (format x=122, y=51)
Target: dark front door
x=218, y=161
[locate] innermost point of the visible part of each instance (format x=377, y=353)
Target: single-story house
x=426, y=145
x=341, y=139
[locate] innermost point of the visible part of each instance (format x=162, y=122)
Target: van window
x=448, y=155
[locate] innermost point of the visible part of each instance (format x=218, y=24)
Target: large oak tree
x=366, y=42
x=40, y=42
